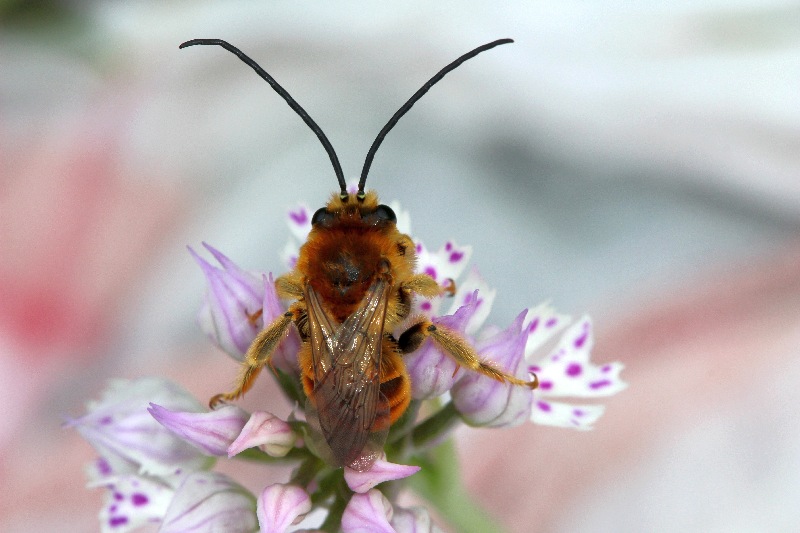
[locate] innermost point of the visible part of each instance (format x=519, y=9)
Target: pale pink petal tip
x=381, y=471
x=280, y=506
x=270, y=433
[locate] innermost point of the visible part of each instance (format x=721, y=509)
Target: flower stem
x=435, y=426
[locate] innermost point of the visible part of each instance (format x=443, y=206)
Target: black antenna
x=289, y=100
x=413, y=100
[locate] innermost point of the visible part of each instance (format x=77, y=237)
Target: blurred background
x=638, y=164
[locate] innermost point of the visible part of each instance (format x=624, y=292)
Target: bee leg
x=458, y=348
x=425, y=286
x=257, y=356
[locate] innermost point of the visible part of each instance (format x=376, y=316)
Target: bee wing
x=347, y=362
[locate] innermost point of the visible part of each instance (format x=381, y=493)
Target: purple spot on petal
x=551, y=322
x=430, y=271
x=600, y=384
x=546, y=385
x=103, y=467
x=139, y=499
x=544, y=406
x=418, y=248
x=578, y=412
x=299, y=217
x=448, y=246
x=455, y=257
x=106, y=420
x=606, y=369
x=425, y=306
x=112, y=509
x=582, y=339
x=115, y=521
x=574, y=370
x=534, y=368
x=119, y=497
x=533, y=325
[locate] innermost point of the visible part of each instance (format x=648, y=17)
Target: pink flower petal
x=483, y=401
x=368, y=513
x=280, y=506
x=266, y=430
x=381, y=471
x=212, y=432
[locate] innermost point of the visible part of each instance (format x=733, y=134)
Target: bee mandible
x=354, y=283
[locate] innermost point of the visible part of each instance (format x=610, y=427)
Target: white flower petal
x=403, y=217
x=209, y=501
x=132, y=502
x=568, y=370
x=566, y=415
x=413, y=520
x=128, y=438
x=298, y=219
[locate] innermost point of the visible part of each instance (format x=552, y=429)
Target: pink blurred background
x=640, y=165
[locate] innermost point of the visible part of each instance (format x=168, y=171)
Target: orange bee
x=353, y=284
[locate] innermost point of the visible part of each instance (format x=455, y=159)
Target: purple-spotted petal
x=233, y=296
x=280, y=506
x=568, y=370
x=542, y=323
x=212, y=432
x=380, y=471
x=132, y=502
x=566, y=415
x=448, y=262
x=267, y=431
x=413, y=520
x=368, y=513
x=433, y=372
x=129, y=440
x=483, y=401
x=298, y=218
x=209, y=501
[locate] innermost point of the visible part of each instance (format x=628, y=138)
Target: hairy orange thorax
x=344, y=254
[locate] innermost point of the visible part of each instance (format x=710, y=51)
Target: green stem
x=435, y=426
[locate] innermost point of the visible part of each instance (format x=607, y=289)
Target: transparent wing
x=350, y=412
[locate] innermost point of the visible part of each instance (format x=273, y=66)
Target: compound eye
x=384, y=212
x=322, y=217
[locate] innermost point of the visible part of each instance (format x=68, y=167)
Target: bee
x=354, y=283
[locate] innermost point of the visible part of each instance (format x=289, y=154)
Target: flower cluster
x=157, y=444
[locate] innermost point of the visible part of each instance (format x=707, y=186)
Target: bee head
x=352, y=208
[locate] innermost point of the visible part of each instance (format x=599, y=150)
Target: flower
x=154, y=465
x=280, y=506
x=211, y=432
x=230, y=314
x=128, y=439
x=237, y=305
x=368, y=513
x=209, y=501
x=265, y=430
x=380, y=471
x=153, y=474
